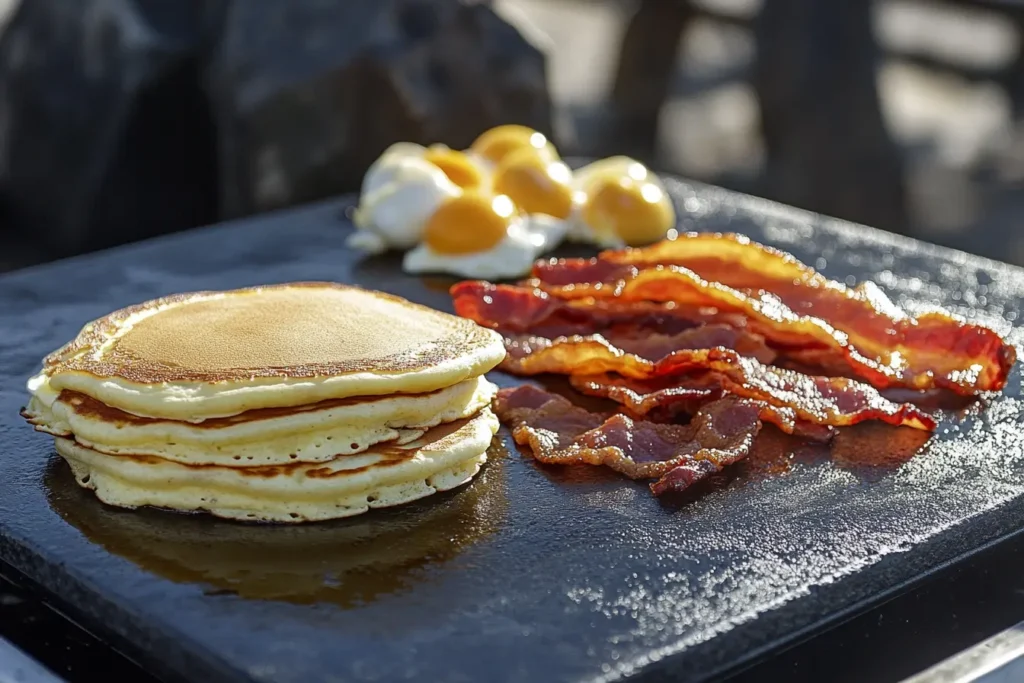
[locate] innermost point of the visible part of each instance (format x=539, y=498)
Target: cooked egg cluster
x=491, y=210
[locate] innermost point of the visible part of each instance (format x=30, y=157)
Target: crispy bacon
x=518, y=309
x=651, y=347
x=662, y=399
x=665, y=399
x=834, y=401
x=790, y=304
x=559, y=433
x=657, y=345
x=701, y=340
x=513, y=309
x=645, y=329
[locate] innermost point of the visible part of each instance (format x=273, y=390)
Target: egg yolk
x=611, y=168
x=497, y=143
x=638, y=212
x=535, y=185
x=457, y=165
x=469, y=223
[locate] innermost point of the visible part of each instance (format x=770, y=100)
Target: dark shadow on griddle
x=377, y=266
x=387, y=262
x=348, y=563
x=384, y=272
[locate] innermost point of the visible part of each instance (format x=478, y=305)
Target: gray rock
x=101, y=122
x=123, y=119
x=303, y=110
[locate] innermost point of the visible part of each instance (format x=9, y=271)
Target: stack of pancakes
x=296, y=402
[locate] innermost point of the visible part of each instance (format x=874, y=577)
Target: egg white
x=401, y=192
x=382, y=171
x=580, y=232
x=513, y=256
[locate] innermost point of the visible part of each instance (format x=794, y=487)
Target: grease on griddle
x=773, y=454
x=349, y=562
x=776, y=452
x=876, y=445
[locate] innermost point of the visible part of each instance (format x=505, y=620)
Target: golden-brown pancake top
x=297, y=330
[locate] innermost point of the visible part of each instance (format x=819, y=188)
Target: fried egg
x=619, y=202
x=477, y=235
x=404, y=187
x=494, y=145
x=535, y=184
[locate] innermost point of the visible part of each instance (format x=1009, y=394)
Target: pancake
x=445, y=457
x=204, y=355
x=268, y=436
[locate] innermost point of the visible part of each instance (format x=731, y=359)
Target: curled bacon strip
x=656, y=345
x=519, y=308
x=648, y=330
x=790, y=304
x=557, y=432
x=835, y=401
x=664, y=399
x=797, y=398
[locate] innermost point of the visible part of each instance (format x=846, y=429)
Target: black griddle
x=529, y=573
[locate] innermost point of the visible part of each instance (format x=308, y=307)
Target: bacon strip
x=519, y=309
x=657, y=345
x=787, y=301
x=516, y=310
x=559, y=433
x=664, y=399
x=647, y=330
x=508, y=307
x=511, y=309
x=835, y=401
x=651, y=348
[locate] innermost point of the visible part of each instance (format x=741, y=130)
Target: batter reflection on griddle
x=347, y=562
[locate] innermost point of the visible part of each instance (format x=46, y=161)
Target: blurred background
x=121, y=120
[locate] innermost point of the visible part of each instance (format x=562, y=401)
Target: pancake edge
x=449, y=463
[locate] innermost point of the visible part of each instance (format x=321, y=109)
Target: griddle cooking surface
x=528, y=574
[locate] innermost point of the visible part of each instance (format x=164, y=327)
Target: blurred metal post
x=827, y=145
x=647, y=62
